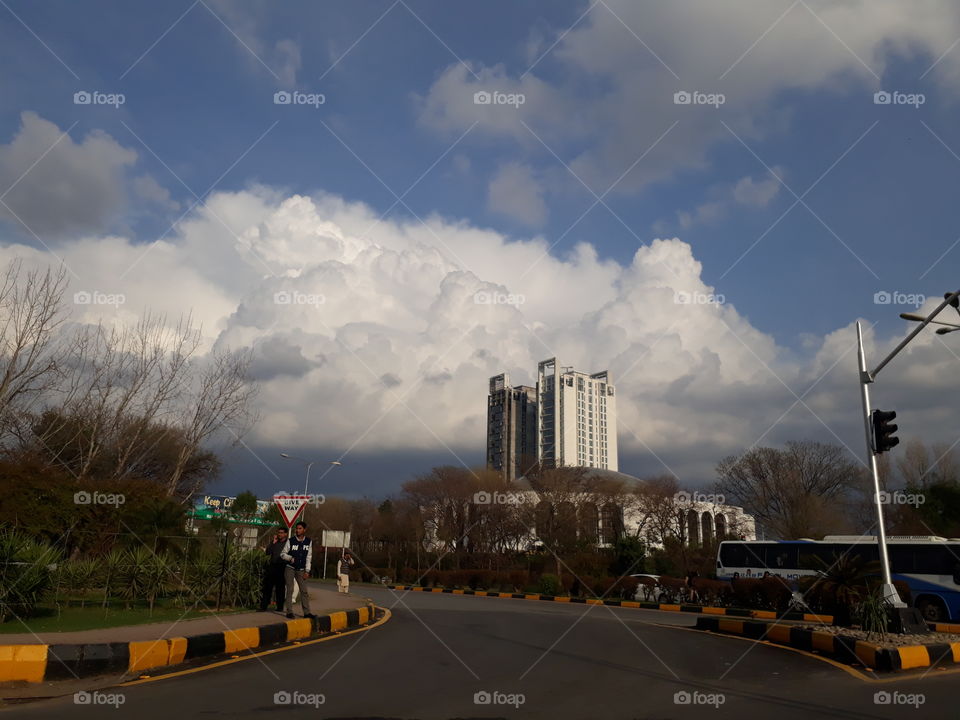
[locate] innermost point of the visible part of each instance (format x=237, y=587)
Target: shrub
x=549, y=584
x=26, y=575
x=518, y=580
x=75, y=577
x=627, y=587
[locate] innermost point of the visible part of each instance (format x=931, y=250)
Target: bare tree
x=221, y=398
x=798, y=491
x=31, y=313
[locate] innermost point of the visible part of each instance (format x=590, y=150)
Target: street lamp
x=309, y=464
x=867, y=377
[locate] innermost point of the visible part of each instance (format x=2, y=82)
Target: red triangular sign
x=290, y=507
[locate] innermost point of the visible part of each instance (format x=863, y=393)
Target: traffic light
x=883, y=430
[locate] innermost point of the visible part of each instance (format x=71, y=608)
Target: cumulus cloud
x=55, y=185
x=384, y=338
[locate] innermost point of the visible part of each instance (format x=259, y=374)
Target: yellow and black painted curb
x=667, y=607
x=843, y=648
x=39, y=663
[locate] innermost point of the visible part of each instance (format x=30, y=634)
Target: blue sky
x=199, y=80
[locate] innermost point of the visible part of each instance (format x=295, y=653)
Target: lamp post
x=868, y=377
x=309, y=464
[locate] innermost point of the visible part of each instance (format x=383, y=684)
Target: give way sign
x=290, y=507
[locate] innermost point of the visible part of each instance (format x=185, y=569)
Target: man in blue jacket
x=298, y=553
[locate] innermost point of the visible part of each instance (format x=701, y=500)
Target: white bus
x=929, y=565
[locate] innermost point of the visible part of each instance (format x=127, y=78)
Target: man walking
x=298, y=554
x=343, y=572
x=274, y=582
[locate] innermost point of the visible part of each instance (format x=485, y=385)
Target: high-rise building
x=576, y=418
x=511, y=427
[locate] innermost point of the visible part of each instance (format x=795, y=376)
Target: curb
x=39, y=663
x=666, y=607
x=844, y=648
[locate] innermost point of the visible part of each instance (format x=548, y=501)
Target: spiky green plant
x=27, y=569
x=874, y=612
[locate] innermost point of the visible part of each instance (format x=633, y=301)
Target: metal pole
x=903, y=343
x=223, y=569
x=889, y=591
x=307, y=481
x=324, y=561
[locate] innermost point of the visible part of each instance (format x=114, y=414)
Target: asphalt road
x=534, y=660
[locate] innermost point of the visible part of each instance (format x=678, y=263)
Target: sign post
x=290, y=507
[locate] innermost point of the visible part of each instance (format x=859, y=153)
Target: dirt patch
x=890, y=640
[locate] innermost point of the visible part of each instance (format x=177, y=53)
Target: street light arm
x=948, y=300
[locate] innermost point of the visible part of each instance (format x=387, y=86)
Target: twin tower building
x=568, y=419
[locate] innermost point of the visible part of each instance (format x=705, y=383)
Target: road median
x=843, y=648
x=637, y=604
x=44, y=662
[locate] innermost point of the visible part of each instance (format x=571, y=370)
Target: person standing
x=298, y=554
x=274, y=580
x=344, y=565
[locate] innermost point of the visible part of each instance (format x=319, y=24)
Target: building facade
x=511, y=427
x=576, y=418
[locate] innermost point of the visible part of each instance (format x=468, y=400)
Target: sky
x=392, y=201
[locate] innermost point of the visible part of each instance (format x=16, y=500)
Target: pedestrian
x=691, y=581
x=274, y=581
x=298, y=554
x=344, y=565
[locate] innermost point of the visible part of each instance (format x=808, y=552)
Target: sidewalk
x=321, y=602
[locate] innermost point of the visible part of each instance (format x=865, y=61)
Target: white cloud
x=247, y=21
x=380, y=340
x=757, y=193
x=746, y=192
x=517, y=194
x=607, y=86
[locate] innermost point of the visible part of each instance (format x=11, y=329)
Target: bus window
x=933, y=560
x=901, y=559
x=733, y=555
x=780, y=557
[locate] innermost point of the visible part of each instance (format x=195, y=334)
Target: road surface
x=442, y=656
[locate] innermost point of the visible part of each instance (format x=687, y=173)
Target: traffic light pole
x=866, y=378
x=889, y=591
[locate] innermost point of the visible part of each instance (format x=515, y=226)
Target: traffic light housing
x=883, y=430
